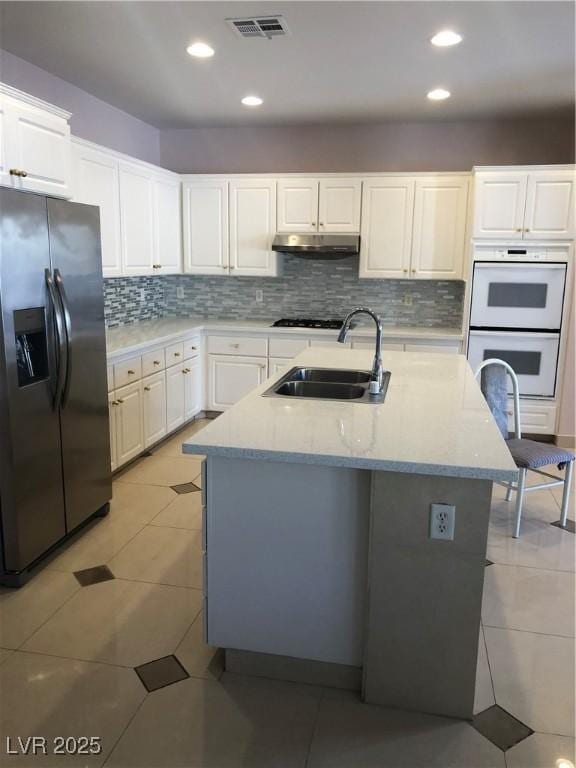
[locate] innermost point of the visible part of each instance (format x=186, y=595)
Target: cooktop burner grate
x=299, y=322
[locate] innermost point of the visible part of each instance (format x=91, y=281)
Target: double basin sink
x=327, y=384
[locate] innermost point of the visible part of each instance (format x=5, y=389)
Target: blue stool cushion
x=529, y=454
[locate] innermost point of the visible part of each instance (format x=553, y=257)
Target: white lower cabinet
x=174, y=397
x=154, y=408
x=231, y=377
x=278, y=364
x=128, y=418
x=192, y=387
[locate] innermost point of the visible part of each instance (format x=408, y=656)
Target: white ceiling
x=344, y=61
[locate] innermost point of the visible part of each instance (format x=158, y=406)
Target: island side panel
x=287, y=558
x=425, y=595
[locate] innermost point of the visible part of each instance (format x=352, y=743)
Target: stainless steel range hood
x=314, y=246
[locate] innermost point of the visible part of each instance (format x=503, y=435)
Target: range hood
x=314, y=246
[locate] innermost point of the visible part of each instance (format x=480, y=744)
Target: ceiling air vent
x=262, y=26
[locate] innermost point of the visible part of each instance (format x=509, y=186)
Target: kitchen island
x=319, y=565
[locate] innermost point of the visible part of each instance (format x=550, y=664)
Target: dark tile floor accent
x=185, y=488
x=95, y=575
x=500, y=727
x=487, y=563
x=570, y=526
x=160, y=673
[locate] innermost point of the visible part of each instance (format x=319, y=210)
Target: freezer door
x=74, y=232
x=31, y=493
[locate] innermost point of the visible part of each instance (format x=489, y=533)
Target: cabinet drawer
x=127, y=371
x=192, y=347
x=238, y=345
x=110, y=374
x=287, y=347
x=395, y=346
x=152, y=362
x=174, y=354
x=535, y=419
x=328, y=342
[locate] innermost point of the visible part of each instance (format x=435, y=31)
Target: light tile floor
x=67, y=653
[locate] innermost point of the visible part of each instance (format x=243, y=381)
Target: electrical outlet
x=179, y=292
x=407, y=300
x=259, y=296
x=442, y=520
x=142, y=294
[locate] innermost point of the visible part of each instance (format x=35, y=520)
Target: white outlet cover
x=442, y=521
x=179, y=292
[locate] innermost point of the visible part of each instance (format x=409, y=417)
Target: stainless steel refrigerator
x=54, y=433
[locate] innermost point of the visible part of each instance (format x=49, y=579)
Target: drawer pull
x=176, y=354
x=194, y=349
x=235, y=346
x=146, y=389
x=119, y=401
x=17, y=172
x=156, y=362
x=114, y=402
x=131, y=373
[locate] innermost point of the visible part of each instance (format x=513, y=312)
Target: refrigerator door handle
x=59, y=282
x=60, y=333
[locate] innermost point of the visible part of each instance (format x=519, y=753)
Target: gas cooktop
x=299, y=322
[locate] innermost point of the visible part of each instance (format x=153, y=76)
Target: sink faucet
x=376, y=376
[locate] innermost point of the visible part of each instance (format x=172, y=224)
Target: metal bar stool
x=527, y=454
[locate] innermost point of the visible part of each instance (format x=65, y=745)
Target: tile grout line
x=39, y=627
x=314, y=729
x=529, y=631
x=488, y=662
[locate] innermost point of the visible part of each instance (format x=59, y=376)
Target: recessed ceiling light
x=446, y=38
x=252, y=101
x=438, y=94
x=200, y=50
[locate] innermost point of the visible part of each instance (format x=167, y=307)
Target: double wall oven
x=516, y=310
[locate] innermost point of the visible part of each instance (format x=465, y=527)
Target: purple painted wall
x=394, y=146
x=92, y=119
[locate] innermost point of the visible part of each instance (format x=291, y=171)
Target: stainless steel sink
x=328, y=374
x=324, y=390
x=327, y=384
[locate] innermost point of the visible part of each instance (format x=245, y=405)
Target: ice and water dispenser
x=31, y=345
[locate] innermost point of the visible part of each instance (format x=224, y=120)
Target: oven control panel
x=519, y=252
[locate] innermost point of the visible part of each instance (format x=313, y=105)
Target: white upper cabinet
x=206, y=227
x=319, y=205
x=499, y=202
x=386, y=235
x=440, y=207
x=550, y=205
x=339, y=205
x=252, y=227
x=36, y=145
x=96, y=183
x=167, y=225
x=298, y=205
x=524, y=205
x=4, y=175
x=137, y=217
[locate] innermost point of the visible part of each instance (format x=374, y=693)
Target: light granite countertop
x=433, y=421
x=136, y=336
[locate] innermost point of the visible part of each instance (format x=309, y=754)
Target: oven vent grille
x=262, y=26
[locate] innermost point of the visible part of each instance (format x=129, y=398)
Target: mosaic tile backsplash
x=320, y=289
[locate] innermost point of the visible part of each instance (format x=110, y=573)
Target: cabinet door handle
x=519, y=229
x=235, y=346
x=156, y=362
x=131, y=373
x=313, y=223
x=114, y=402
x=23, y=174
x=146, y=389
x=193, y=349
x=17, y=172
x=405, y=271
x=321, y=224
x=176, y=354
x=526, y=230
x=119, y=401
x=413, y=271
